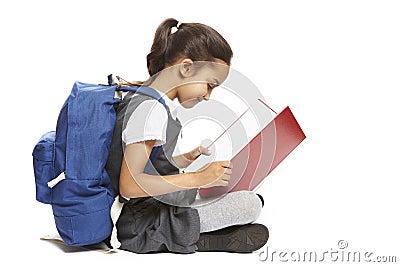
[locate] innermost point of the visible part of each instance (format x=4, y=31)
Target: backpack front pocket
x=43, y=166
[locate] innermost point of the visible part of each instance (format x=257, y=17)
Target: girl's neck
x=163, y=83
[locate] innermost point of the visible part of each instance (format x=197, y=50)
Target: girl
x=155, y=210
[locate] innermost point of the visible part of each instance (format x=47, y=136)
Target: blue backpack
x=69, y=163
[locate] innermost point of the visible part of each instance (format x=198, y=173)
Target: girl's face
x=199, y=80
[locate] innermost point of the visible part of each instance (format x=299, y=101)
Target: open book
x=256, y=160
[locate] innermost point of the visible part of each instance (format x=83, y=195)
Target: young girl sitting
x=154, y=209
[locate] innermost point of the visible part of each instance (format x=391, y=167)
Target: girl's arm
x=184, y=160
x=134, y=183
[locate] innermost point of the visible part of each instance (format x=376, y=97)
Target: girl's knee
x=249, y=204
x=255, y=206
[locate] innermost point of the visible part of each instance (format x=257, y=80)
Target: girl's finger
x=205, y=151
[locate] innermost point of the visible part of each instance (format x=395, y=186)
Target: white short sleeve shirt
x=149, y=122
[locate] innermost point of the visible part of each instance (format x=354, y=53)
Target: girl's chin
x=190, y=103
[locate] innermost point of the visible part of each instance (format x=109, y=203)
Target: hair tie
x=174, y=29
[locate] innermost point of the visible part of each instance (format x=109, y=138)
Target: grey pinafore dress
x=154, y=224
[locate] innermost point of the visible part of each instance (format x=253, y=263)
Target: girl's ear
x=186, y=68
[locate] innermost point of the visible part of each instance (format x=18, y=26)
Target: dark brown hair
x=196, y=41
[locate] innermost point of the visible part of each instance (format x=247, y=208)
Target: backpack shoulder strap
x=144, y=90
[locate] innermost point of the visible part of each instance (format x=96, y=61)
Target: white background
x=335, y=63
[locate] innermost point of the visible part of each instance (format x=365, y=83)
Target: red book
x=261, y=155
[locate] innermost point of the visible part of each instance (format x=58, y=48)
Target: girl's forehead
x=220, y=71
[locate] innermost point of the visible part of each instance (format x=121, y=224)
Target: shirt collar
x=171, y=105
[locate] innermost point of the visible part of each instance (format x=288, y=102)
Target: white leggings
x=235, y=208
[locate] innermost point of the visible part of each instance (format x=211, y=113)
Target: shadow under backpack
x=69, y=163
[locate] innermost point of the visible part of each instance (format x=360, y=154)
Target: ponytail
x=156, y=59
x=196, y=41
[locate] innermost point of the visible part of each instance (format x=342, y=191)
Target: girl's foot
x=237, y=238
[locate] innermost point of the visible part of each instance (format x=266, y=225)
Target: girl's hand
x=216, y=173
x=200, y=150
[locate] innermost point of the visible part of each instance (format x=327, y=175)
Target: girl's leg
x=235, y=208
